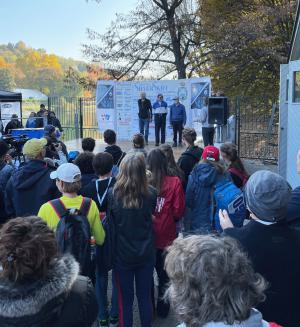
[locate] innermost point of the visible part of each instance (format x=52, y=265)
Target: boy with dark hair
x=85, y=163
x=192, y=155
x=102, y=163
x=88, y=144
x=110, y=138
x=98, y=190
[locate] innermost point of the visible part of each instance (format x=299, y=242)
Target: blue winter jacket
x=199, y=196
x=31, y=122
x=177, y=113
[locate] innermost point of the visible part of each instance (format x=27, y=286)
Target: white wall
x=293, y=129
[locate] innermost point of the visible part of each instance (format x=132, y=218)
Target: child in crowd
x=169, y=209
x=213, y=283
x=85, y=163
x=236, y=168
x=133, y=204
x=110, y=138
x=199, y=190
x=271, y=243
x=88, y=144
x=98, y=191
x=192, y=155
x=138, y=142
x=38, y=286
x=68, y=182
x=173, y=168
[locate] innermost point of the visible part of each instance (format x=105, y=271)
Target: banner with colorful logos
x=117, y=103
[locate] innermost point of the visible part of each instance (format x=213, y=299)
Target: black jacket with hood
x=29, y=188
x=62, y=299
x=116, y=152
x=189, y=159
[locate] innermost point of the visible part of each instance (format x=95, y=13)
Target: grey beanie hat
x=267, y=196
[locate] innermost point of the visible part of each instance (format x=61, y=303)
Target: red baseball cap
x=211, y=153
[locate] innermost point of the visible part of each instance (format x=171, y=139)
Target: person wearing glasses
x=160, y=110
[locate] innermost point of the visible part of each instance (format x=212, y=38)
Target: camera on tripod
x=16, y=146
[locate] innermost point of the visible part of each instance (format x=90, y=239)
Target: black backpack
x=73, y=233
x=105, y=252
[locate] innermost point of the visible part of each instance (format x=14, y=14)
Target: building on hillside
x=289, y=123
x=31, y=94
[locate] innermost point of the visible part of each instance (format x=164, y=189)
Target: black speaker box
x=218, y=110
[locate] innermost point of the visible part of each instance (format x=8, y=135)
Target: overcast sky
x=59, y=26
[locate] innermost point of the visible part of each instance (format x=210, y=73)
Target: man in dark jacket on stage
x=145, y=115
x=272, y=246
x=177, y=120
x=30, y=187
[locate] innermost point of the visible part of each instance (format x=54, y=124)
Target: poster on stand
x=117, y=103
x=8, y=109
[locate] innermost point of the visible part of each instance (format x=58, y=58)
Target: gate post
x=238, y=121
x=80, y=117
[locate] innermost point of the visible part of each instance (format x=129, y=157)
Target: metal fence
x=77, y=115
x=256, y=122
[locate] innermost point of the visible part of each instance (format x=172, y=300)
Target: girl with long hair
x=169, y=209
x=131, y=205
x=236, y=168
x=173, y=168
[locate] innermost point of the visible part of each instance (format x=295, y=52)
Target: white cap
x=67, y=172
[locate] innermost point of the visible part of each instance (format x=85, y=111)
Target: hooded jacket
x=61, y=299
x=116, y=152
x=169, y=209
x=198, y=197
x=189, y=159
x=29, y=188
x=255, y=320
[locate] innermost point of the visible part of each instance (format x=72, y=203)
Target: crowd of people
x=39, y=119
x=223, y=244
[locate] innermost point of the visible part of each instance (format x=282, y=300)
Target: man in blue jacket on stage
x=177, y=120
x=160, y=110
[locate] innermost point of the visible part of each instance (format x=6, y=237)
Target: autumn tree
x=247, y=41
x=157, y=36
x=7, y=82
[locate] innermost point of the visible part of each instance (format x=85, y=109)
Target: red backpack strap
x=85, y=206
x=59, y=207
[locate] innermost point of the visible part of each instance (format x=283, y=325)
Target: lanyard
x=104, y=194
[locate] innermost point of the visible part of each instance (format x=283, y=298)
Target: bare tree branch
x=156, y=32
